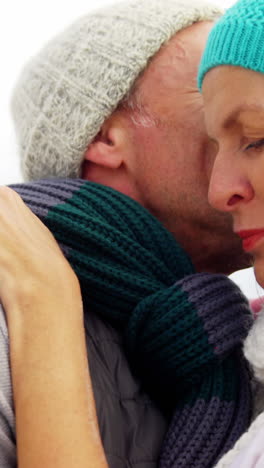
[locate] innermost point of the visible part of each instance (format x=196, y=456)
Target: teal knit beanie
x=237, y=39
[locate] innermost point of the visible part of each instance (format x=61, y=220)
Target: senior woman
x=231, y=77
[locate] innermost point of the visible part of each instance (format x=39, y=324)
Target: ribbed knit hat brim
x=237, y=39
x=67, y=91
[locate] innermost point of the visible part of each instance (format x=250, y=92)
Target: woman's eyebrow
x=241, y=108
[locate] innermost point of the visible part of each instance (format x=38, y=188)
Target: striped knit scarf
x=183, y=330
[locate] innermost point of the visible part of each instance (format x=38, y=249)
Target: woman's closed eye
x=258, y=144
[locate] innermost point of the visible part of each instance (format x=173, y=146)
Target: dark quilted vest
x=131, y=426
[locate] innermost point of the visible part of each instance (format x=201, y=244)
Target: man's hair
x=74, y=84
x=138, y=113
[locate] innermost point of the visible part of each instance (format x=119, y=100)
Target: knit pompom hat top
x=237, y=39
x=70, y=88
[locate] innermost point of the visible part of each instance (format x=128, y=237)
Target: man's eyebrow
x=242, y=108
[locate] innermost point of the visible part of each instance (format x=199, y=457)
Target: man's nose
x=229, y=185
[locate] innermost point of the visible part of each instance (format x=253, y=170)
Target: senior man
x=113, y=99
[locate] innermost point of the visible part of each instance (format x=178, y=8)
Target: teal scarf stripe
x=223, y=383
x=183, y=331
x=165, y=332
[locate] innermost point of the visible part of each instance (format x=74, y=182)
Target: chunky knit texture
x=70, y=88
x=183, y=330
x=237, y=39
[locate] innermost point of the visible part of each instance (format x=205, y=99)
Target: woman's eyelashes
x=258, y=144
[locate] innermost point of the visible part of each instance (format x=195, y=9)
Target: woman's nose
x=229, y=185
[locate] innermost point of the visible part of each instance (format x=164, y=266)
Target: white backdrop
x=24, y=27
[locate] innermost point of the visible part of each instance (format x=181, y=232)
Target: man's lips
x=250, y=238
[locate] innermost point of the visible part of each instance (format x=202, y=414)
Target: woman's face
x=234, y=115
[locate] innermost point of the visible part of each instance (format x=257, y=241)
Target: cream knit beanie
x=68, y=90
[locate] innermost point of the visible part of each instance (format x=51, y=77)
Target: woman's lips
x=250, y=238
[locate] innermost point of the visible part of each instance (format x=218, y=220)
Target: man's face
x=172, y=159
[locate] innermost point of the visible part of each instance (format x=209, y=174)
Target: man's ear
x=110, y=158
x=108, y=148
